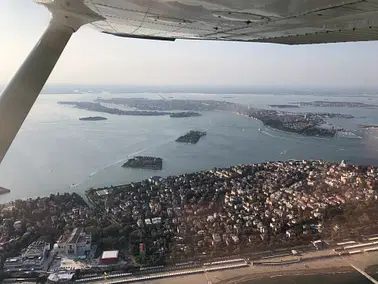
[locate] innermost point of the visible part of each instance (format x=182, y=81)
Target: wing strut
x=19, y=96
x=24, y=88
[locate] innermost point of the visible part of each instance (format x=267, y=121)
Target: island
x=336, y=104
x=97, y=107
x=185, y=114
x=144, y=162
x=191, y=137
x=367, y=126
x=4, y=190
x=334, y=115
x=92, y=118
x=309, y=123
x=284, y=106
x=171, y=105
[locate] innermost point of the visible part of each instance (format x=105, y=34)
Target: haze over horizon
x=95, y=58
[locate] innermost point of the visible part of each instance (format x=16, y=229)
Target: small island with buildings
x=284, y=106
x=184, y=114
x=369, y=126
x=92, y=118
x=309, y=124
x=336, y=104
x=191, y=137
x=144, y=162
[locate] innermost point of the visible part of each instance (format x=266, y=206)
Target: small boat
x=260, y=129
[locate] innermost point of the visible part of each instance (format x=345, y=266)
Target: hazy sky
x=92, y=57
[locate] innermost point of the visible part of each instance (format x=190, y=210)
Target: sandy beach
x=234, y=276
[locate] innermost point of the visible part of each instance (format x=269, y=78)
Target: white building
x=77, y=243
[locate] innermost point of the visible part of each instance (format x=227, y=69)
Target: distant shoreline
x=367, y=126
x=284, y=106
x=207, y=89
x=92, y=118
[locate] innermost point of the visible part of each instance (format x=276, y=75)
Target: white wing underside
x=273, y=21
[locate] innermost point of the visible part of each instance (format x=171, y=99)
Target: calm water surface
x=55, y=151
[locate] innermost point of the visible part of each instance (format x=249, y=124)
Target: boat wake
x=210, y=125
x=284, y=152
x=289, y=138
x=100, y=170
x=270, y=134
x=107, y=166
x=348, y=134
x=294, y=138
x=117, y=162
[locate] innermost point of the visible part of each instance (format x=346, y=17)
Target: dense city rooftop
x=241, y=207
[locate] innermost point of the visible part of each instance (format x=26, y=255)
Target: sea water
x=56, y=152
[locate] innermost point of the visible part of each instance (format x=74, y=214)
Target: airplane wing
x=272, y=21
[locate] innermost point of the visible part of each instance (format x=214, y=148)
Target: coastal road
x=322, y=261
x=128, y=278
